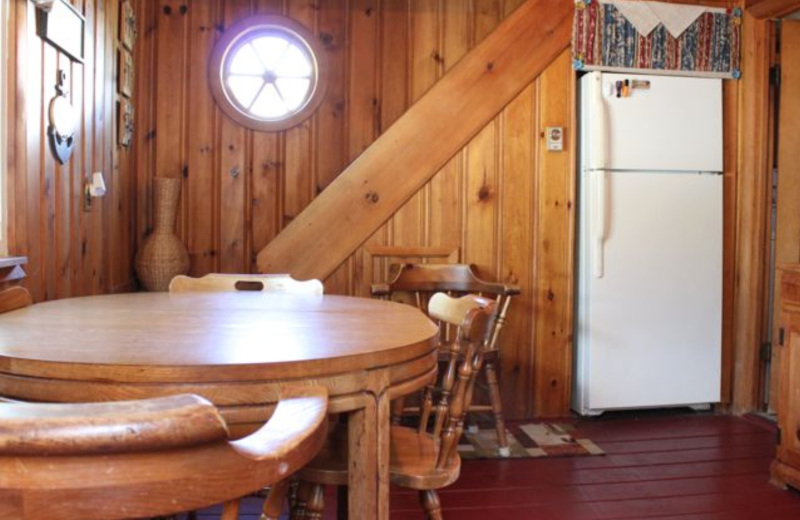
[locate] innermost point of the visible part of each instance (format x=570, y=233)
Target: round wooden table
x=237, y=350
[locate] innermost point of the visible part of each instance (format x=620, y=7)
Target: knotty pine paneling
x=242, y=187
x=506, y=205
x=503, y=202
x=70, y=251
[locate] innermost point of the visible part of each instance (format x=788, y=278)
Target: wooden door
x=786, y=468
x=787, y=239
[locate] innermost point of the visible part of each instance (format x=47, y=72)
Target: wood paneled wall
x=434, y=129
x=242, y=187
x=503, y=202
x=70, y=251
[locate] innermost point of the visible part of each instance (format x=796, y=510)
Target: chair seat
x=412, y=464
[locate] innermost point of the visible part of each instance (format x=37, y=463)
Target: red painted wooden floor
x=676, y=467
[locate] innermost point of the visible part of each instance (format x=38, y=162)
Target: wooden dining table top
x=209, y=336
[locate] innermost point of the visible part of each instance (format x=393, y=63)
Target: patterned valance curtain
x=636, y=36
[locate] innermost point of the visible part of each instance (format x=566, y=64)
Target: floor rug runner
x=528, y=441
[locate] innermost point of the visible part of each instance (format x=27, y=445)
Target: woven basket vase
x=162, y=255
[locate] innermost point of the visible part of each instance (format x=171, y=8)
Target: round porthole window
x=266, y=73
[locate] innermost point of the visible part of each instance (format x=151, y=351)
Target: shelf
x=11, y=268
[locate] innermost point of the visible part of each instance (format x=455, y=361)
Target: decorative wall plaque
x=125, y=121
x=125, y=73
x=63, y=27
x=127, y=27
x=62, y=122
x=127, y=41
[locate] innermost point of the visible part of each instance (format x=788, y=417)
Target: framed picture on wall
x=127, y=25
x=125, y=123
x=63, y=26
x=125, y=73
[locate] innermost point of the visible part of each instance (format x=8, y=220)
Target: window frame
x=244, y=30
x=4, y=61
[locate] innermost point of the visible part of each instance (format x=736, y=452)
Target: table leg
x=368, y=487
x=341, y=503
x=384, y=426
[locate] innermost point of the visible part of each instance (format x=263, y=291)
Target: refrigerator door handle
x=599, y=235
x=599, y=123
x=600, y=146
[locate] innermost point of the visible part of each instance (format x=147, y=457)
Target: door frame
x=787, y=162
x=753, y=196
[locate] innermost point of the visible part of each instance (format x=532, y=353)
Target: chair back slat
x=445, y=390
x=472, y=317
x=218, y=282
x=457, y=408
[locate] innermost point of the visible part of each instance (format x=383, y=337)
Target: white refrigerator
x=649, y=298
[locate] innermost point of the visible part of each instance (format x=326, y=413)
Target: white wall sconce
x=94, y=187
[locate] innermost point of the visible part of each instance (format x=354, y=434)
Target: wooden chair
x=136, y=459
x=424, y=458
x=415, y=283
x=215, y=282
x=219, y=282
x=14, y=298
x=10, y=300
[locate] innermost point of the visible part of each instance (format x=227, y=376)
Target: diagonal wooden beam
x=771, y=8
x=412, y=150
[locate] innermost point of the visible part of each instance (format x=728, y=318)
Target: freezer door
x=666, y=123
x=649, y=327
